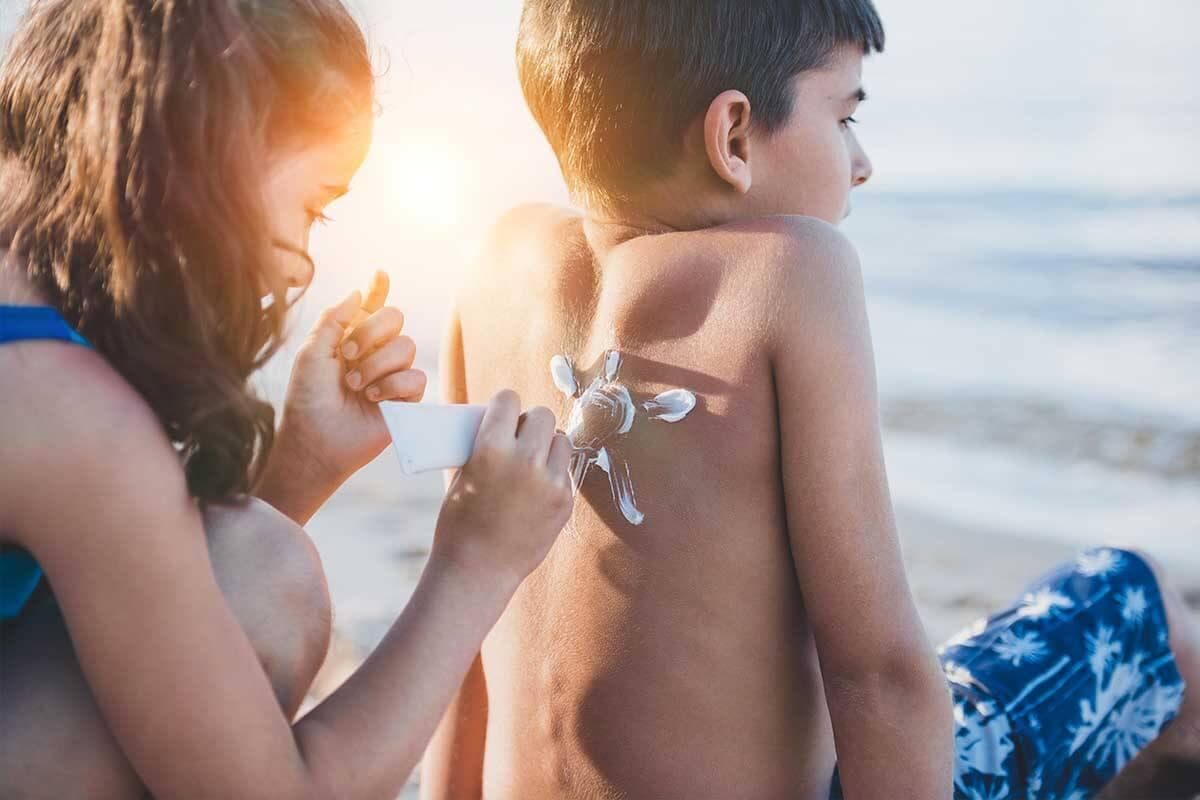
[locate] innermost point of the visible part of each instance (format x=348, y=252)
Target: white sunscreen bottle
x=429, y=436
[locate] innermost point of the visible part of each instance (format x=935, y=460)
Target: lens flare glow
x=428, y=185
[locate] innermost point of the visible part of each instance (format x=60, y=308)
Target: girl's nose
x=297, y=279
x=295, y=266
x=298, y=270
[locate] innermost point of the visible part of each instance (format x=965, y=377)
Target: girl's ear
x=727, y=139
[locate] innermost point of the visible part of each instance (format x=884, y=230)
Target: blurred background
x=1031, y=241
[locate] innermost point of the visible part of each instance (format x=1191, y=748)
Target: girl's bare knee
x=272, y=577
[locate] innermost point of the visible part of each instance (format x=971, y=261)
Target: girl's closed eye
x=318, y=217
x=849, y=121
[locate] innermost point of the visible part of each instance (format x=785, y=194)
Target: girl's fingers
x=333, y=323
x=395, y=356
x=498, y=430
x=559, y=461
x=374, y=331
x=408, y=386
x=534, y=432
x=377, y=293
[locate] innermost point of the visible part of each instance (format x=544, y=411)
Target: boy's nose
x=860, y=164
x=863, y=169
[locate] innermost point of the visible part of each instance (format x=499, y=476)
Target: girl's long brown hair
x=134, y=136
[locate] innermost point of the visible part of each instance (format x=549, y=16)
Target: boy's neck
x=604, y=233
x=663, y=209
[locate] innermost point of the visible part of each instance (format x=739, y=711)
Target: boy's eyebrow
x=859, y=95
x=337, y=191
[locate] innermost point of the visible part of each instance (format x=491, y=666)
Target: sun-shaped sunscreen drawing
x=601, y=416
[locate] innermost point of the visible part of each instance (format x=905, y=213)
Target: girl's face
x=300, y=184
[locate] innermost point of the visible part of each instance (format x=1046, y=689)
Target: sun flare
x=428, y=184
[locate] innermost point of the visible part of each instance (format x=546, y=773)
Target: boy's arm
x=453, y=765
x=887, y=697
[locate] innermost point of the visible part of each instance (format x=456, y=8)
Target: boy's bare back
x=674, y=658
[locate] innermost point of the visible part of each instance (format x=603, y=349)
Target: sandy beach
x=374, y=537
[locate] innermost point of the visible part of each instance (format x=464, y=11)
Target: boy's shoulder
x=787, y=266
x=542, y=216
x=519, y=247
x=784, y=245
x=781, y=265
x=537, y=227
x=803, y=277
x=506, y=285
x=780, y=242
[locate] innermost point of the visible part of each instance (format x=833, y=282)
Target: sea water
x=1039, y=359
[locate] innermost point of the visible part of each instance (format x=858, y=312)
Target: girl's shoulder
x=56, y=386
x=68, y=420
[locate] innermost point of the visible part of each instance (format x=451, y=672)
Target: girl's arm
x=107, y=515
x=415, y=673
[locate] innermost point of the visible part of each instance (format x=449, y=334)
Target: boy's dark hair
x=615, y=84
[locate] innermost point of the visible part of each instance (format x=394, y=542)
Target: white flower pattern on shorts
x=1080, y=678
x=1054, y=695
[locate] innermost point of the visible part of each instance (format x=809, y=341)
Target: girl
x=161, y=163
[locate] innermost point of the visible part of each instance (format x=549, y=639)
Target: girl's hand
x=331, y=425
x=506, y=507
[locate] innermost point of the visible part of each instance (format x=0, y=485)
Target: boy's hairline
x=590, y=195
x=585, y=192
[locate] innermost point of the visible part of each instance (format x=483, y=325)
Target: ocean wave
x=1052, y=430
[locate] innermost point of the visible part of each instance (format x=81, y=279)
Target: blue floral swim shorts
x=1055, y=694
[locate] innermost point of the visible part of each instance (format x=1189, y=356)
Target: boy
x=728, y=607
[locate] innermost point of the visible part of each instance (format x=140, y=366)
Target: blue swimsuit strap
x=25, y=323
x=19, y=572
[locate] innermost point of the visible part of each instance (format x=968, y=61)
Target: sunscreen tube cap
x=430, y=437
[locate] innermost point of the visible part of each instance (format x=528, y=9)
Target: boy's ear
x=727, y=139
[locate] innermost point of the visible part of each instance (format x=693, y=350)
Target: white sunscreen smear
x=601, y=416
x=429, y=437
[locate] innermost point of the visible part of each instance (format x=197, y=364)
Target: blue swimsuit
x=19, y=573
